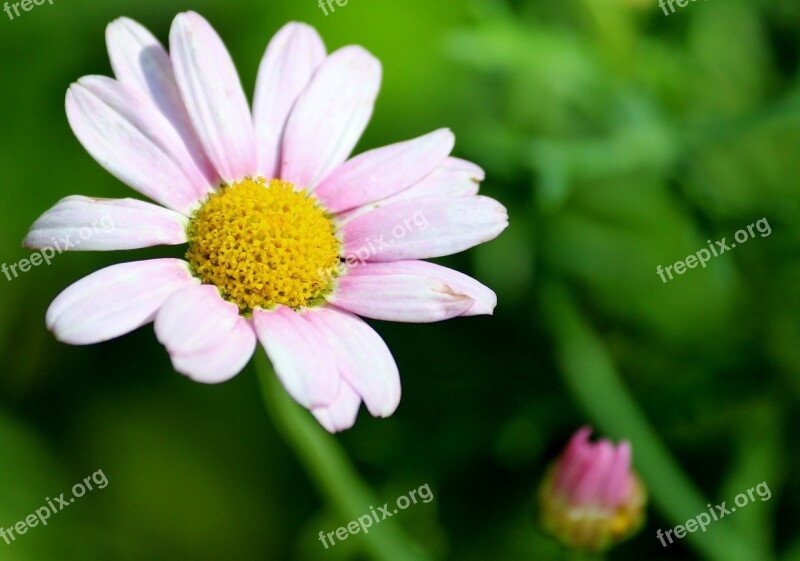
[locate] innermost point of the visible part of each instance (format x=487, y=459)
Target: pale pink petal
x=617, y=488
x=205, y=336
x=194, y=319
x=87, y=224
x=290, y=60
x=213, y=95
x=141, y=63
x=484, y=297
x=133, y=141
x=461, y=166
x=341, y=414
x=412, y=291
x=569, y=465
x=364, y=360
x=384, y=172
x=453, y=178
x=301, y=356
x=116, y=300
x=590, y=483
x=222, y=362
x=424, y=228
x=329, y=116
x=404, y=298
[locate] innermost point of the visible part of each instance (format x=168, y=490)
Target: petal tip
x=118, y=23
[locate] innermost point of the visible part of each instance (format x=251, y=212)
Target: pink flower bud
x=590, y=498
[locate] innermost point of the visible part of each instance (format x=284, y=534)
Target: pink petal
x=590, y=483
x=213, y=95
x=453, y=178
x=424, y=228
x=141, y=63
x=329, y=116
x=116, y=300
x=106, y=224
x=342, y=412
x=364, y=360
x=204, y=334
x=290, y=60
x=617, y=488
x=134, y=142
x=194, y=319
x=384, y=172
x=301, y=356
x=222, y=362
x=572, y=459
x=413, y=291
x=485, y=300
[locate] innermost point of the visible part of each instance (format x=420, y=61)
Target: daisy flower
x=289, y=241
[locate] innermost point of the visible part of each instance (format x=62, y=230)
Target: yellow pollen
x=263, y=244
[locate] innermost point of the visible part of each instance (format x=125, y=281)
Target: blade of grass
x=595, y=384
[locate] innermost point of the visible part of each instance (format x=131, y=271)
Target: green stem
x=331, y=471
x=595, y=384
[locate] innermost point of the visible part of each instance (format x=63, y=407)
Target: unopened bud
x=590, y=498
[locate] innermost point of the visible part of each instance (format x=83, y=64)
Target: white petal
x=137, y=57
x=116, y=300
x=341, y=414
x=423, y=228
x=222, y=362
x=134, y=142
x=194, y=319
x=384, y=172
x=411, y=291
x=407, y=294
x=330, y=116
x=453, y=178
x=289, y=62
x=364, y=360
x=205, y=336
x=300, y=355
x=484, y=298
x=106, y=224
x=213, y=95
x=141, y=63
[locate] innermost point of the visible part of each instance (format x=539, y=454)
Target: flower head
x=590, y=498
x=289, y=239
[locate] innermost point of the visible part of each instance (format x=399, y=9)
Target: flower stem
x=328, y=467
x=597, y=387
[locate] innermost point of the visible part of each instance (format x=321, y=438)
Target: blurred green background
x=619, y=138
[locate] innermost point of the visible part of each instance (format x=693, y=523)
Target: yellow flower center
x=263, y=244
